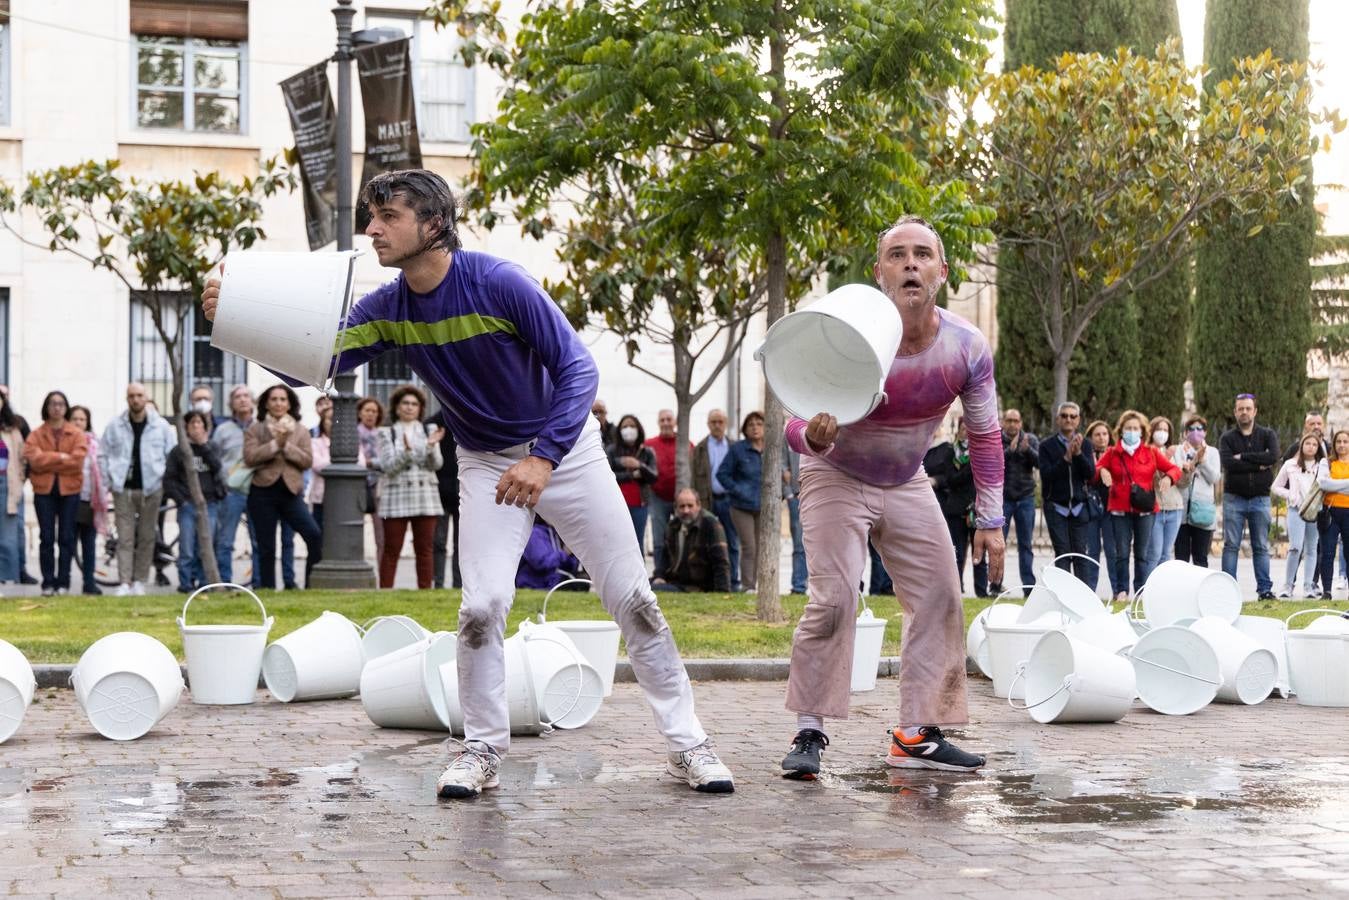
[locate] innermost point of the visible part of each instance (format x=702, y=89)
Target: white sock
x=911, y=731
x=805, y=720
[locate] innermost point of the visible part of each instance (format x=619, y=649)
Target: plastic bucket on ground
x=976, y=639
x=1111, y=633
x=283, y=310
x=403, y=688
x=1076, y=600
x=1270, y=634
x=389, y=633
x=1181, y=590
x=126, y=683
x=866, y=650
x=16, y=689
x=1318, y=663
x=1249, y=671
x=1068, y=680
x=1040, y=602
x=318, y=661
x=223, y=661
x=1176, y=670
x=834, y=355
x=597, y=639
x=1009, y=646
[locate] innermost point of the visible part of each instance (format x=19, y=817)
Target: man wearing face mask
x=695, y=550
x=203, y=401
x=1250, y=454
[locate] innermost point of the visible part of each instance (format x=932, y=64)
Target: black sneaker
x=929, y=750
x=25, y=578
x=803, y=763
x=1265, y=596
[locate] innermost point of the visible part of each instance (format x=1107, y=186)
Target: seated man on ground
x=696, y=557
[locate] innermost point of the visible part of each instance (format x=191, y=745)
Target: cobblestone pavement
x=312, y=800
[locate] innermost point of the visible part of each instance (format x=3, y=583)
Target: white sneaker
x=701, y=769
x=1285, y=593
x=123, y=590
x=137, y=589
x=469, y=774
x=1311, y=592
x=1341, y=584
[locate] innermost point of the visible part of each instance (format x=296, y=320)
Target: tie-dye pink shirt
x=887, y=447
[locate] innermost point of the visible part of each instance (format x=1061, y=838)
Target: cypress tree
x=1253, y=305
x=1133, y=352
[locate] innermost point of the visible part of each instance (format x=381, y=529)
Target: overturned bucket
x=1176, y=670
x=1179, y=590
x=1249, y=671
x=1318, y=660
x=1112, y=633
x=1075, y=599
x=1271, y=634
x=834, y=355
x=1068, y=680
x=866, y=650
x=318, y=661
x=16, y=689
x=597, y=639
x=976, y=638
x=403, y=688
x=126, y=683
x=386, y=634
x=1010, y=646
x=224, y=661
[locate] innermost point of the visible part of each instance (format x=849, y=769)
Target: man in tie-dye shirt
x=867, y=478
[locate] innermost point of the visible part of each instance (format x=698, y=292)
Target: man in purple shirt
x=867, y=479
x=516, y=385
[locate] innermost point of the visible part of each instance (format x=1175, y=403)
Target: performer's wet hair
x=427, y=193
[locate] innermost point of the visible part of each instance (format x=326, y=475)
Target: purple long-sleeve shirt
x=886, y=448
x=492, y=346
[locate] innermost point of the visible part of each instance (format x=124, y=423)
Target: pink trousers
x=907, y=527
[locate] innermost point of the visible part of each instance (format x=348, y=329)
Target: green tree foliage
x=1103, y=168
x=1330, y=294
x=1134, y=353
x=1253, y=317
x=719, y=155
x=160, y=238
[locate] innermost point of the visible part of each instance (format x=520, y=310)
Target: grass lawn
x=58, y=629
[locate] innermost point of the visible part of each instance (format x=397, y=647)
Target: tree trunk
x=1061, y=377
x=683, y=378
x=768, y=534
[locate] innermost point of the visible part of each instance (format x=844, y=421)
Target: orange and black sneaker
x=929, y=749
x=803, y=762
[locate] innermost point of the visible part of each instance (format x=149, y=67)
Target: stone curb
x=58, y=675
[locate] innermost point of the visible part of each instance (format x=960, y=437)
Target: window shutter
x=225, y=20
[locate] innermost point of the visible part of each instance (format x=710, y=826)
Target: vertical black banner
x=391, y=140
x=314, y=122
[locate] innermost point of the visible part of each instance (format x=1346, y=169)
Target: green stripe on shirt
x=445, y=331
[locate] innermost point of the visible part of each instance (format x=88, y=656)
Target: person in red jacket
x=55, y=454
x=1133, y=469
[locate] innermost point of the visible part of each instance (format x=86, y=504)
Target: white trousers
x=583, y=502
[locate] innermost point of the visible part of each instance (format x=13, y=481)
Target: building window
x=386, y=372
x=4, y=335
x=203, y=364
x=191, y=65
x=4, y=62
x=443, y=85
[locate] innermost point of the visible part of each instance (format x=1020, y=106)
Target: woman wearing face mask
x=1200, y=469
x=1170, y=503
x=634, y=466
x=1296, y=482
x=1333, y=476
x=1100, y=539
x=1130, y=469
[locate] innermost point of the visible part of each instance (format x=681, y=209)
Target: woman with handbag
x=55, y=454
x=1200, y=467
x=278, y=448
x=1100, y=539
x=1296, y=483
x=1130, y=469
x=409, y=493
x=1332, y=476
x=92, y=518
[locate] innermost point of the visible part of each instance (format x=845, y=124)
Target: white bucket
x=283, y=310
x=834, y=355
x=1176, y=670
x=16, y=689
x=223, y=661
x=1318, y=663
x=866, y=650
x=1069, y=680
x=318, y=661
x=1249, y=671
x=389, y=633
x=1040, y=602
x=1270, y=634
x=126, y=683
x=1181, y=590
x=976, y=639
x=597, y=639
x=1111, y=633
x=1076, y=600
x=403, y=688
x=1009, y=646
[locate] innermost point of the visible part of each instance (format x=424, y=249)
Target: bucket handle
x=223, y=584
x=1157, y=665
x=548, y=726
x=347, y=305
x=1135, y=604
x=1055, y=560
x=543, y=613
x=370, y=624
x=1333, y=612
x=1021, y=674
